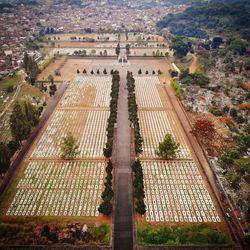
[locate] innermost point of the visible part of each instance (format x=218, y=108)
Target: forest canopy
x=231, y=17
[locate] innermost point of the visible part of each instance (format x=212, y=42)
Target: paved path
x=123, y=224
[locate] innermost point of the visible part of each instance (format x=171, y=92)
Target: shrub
x=168, y=147
x=178, y=89
x=229, y=156
x=200, y=235
x=105, y=208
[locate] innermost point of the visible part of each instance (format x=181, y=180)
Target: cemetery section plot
x=146, y=92
x=155, y=125
x=88, y=127
x=88, y=91
x=56, y=188
x=175, y=192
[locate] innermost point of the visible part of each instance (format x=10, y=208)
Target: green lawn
x=9, y=81
x=190, y=235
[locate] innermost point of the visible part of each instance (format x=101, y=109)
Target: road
x=123, y=223
x=15, y=165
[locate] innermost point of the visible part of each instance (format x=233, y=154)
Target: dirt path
x=194, y=65
x=123, y=223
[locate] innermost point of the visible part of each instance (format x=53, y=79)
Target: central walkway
x=123, y=224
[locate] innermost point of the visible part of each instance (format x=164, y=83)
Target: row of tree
x=147, y=72
x=132, y=109
x=108, y=193
x=97, y=72
x=138, y=187
x=107, y=151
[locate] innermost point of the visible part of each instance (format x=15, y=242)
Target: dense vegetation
x=181, y=46
x=177, y=88
x=197, y=235
x=107, y=151
x=196, y=78
x=132, y=109
x=31, y=68
x=235, y=162
x=24, y=117
x=108, y=193
x=224, y=17
x=138, y=187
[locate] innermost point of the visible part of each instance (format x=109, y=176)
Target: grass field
x=9, y=81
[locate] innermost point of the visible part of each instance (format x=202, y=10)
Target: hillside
x=225, y=17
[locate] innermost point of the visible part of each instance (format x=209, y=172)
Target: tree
x=242, y=165
x=92, y=72
x=118, y=49
x=244, y=141
x=199, y=78
x=20, y=127
x=13, y=146
x=51, y=79
x=53, y=89
x=168, y=148
x=105, y=72
x=78, y=71
x=4, y=159
x=217, y=41
x=229, y=156
x=140, y=206
x=233, y=112
x=184, y=73
x=204, y=127
x=105, y=208
x=234, y=179
x=238, y=46
x=180, y=48
x=139, y=72
x=32, y=113
x=173, y=73
x=84, y=71
x=25, y=61
x=69, y=147
x=127, y=49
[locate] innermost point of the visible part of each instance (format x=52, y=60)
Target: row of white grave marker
x=146, y=92
x=154, y=126
x=175, y=192
x=50, y=188
x=54, y=187
x=88, y=127
x=85, y=87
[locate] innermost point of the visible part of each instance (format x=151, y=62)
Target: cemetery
x=56, y=188
x=50, y=189
x=175, y=192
